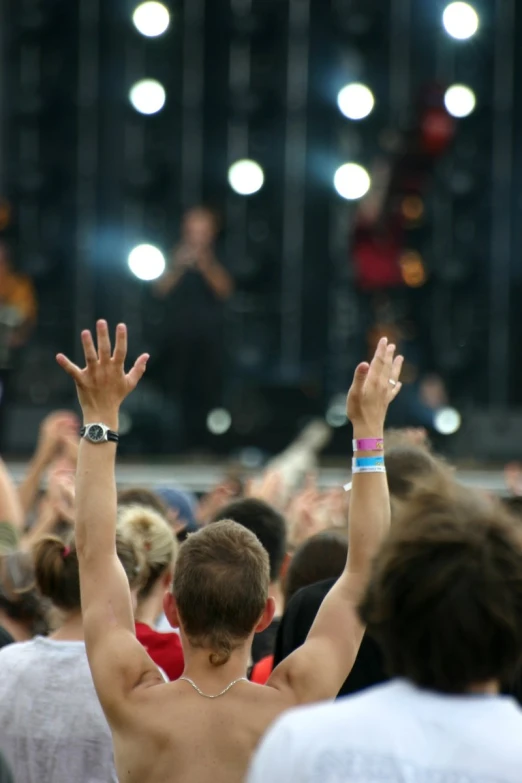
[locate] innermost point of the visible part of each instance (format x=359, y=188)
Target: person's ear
x=171, y=609
x=268, y=615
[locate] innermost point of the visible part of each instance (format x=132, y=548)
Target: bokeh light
x=151, y=19
x=246, y=177
x=356, y=101
x=336, y=413
x=219, y=421
x=460, y=20
x=147, y=262
x=447, y=421
x=352, y=181
x=412, y=269
x=147, y=96
x=412, y=208
x=460, y=100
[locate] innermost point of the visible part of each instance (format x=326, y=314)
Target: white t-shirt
x=395, y=733
x=52, y=728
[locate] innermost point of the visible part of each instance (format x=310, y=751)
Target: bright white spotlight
x=336, y=413
x=460, y=100
x=352, y=181
x=219, y=421
x=151, y=19
x=447, y=421
x=356, y=101
x=460, y=20
x=246, y=177
x=147, y=96
x=147, y=262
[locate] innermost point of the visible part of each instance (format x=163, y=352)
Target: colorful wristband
x=376, y=469
x=368, y=462
x=368, y=444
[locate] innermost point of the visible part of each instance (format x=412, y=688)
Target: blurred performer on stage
x=18, y=307
x=195, y=287
x=18, y=312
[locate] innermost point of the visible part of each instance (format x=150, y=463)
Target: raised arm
x=117, y=660
x=10, y=507
x=317, y=670
x=54, y=431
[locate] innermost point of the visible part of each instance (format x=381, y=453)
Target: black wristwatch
x=99, y=433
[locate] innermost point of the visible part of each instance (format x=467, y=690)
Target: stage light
x=246, y=177
x=219, y=421
x=151, y=19
x=147, y=96
x=336, y=413
x=352, y=181
x=447, y=421
x=356, y=101
x=147, y=262
x=460, y=20
x=460, y=100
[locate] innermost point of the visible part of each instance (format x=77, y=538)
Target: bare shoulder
x=160, y=704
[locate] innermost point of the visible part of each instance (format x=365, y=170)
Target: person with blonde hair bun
x=154, y=538
x=52, y=727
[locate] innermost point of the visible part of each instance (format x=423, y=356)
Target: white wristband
x=374, y=469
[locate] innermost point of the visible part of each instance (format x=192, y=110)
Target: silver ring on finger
x=392, y=382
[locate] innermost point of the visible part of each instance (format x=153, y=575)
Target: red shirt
x=262, y=670
x=164, y=649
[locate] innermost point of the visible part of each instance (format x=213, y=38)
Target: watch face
x=96, y=433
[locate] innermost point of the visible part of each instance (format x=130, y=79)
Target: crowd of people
x=152, y=636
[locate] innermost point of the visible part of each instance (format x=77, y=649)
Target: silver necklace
x=217, y=695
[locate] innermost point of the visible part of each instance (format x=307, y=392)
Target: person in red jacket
x=153, y=536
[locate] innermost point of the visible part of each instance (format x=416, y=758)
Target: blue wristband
x=368, y=462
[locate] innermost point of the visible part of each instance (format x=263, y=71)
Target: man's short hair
x=320, y=557
x=139, y=496
x=266, y=523
x=445, y=596
x=221, y=587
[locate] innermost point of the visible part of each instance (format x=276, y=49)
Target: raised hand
x=53, y=430
x=269, y=487
x=61, y=494
x=103, y=384
x=374, y=386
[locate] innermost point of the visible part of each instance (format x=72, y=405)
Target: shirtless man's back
x=170, y=735
x=204, y=727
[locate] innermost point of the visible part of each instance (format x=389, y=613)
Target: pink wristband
x=368, y=444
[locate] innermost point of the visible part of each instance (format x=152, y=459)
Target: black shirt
x=5, y=774
x=296, y=622
x=5, y=639
x=192, y=304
